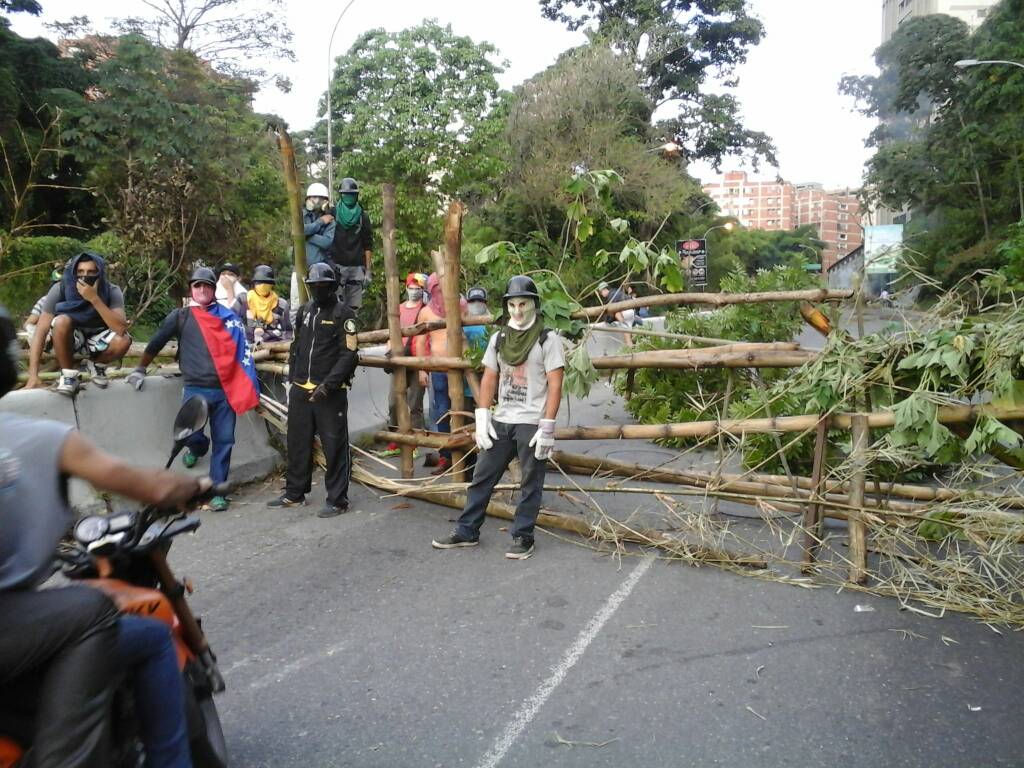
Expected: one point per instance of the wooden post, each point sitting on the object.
(724, 412)
(291, 181)
(812, 512)
(453, 316)
(855, 522)
(399, 380)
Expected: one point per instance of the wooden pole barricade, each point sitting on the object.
(453, 316)
(291, 180)
(812, 513)
(856, 528)
(399, 378)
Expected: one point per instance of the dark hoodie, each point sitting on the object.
(72, 304)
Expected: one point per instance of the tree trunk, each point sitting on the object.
(399, 381)
(291, 181)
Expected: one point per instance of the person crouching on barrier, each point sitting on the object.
(524, 364)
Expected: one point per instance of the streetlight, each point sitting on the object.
(964, 63)
(727, 227)
(330, 134)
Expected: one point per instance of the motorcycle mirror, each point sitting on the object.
(191, 418)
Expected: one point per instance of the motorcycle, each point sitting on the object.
(124, 555)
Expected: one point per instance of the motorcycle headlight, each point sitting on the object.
(91, 528)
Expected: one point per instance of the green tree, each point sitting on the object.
(186, 171)
(950, 143)
(758, 249)
(676, 47)
(415, 108)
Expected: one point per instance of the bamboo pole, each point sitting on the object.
(547, 519)
(453, 316)
(702, 340)
(732, 356)
(721, 436)
(812, 513)
(856, 528)
(399, 379)
(291, 181)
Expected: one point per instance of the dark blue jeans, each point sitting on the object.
(222, 430)
(441, 405)
(513, 440)
(145, 646)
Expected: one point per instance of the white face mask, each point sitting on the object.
(522, 313)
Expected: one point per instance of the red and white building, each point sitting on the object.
(778, 205)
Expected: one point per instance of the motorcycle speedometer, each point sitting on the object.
(91, 528)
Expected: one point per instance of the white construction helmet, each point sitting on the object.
(317, 190)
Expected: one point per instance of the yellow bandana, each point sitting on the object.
(262, 307)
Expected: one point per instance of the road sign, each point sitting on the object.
(693, 257)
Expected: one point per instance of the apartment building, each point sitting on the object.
(778, 205)
(895, 12)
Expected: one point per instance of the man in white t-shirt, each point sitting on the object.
(523, 364)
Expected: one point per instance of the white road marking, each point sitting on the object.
(522, 718)
(292, 667)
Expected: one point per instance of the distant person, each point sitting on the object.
(231, 294)
(31, 322)
(608, 296)
(321, 363)
(318, 228)
(267, 314)
(85, 315)
(352, 249)
(216, 363)
(435, 344)
(408, 314)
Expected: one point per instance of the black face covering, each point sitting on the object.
(322, 293)
(90, 279)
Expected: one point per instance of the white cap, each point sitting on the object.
(317, 190)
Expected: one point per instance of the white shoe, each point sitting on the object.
(68, 382)
(98, 372)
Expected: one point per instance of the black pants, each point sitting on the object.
(57, 651)
(329, 419)
(513, 441)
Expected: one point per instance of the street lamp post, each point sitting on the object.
(964, 63)
(330, 133)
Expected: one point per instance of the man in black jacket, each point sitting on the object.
(321, 362)
(352, 247)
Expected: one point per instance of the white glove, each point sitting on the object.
(484, 434)
(137, 378)
(543, 440)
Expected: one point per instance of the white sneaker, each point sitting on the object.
(68, 382)
(98, 372)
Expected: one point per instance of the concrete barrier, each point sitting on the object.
(136, 426)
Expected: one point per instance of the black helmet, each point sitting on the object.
(202, 275)
(321, 272)
(227, 266)
(8, 353)
(477, 293)
(263, 274)
(521, 286)
(348, 186)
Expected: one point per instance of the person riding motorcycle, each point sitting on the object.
(60, 647)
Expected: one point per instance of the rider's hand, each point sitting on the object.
(320, 393)
(484, 435)
(327, 218)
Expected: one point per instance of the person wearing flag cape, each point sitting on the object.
(217, 365)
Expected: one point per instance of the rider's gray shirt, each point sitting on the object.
(34, 511)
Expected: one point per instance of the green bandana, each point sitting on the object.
(516, 346)
(350, 214)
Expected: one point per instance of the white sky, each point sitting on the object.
(787, 88)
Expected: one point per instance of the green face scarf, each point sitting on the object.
(517, 344)
(350, 213)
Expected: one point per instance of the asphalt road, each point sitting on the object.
(350, 642)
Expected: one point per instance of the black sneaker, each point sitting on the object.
(284, 501)
(330, 510)
(521, 548)
(453, 540)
